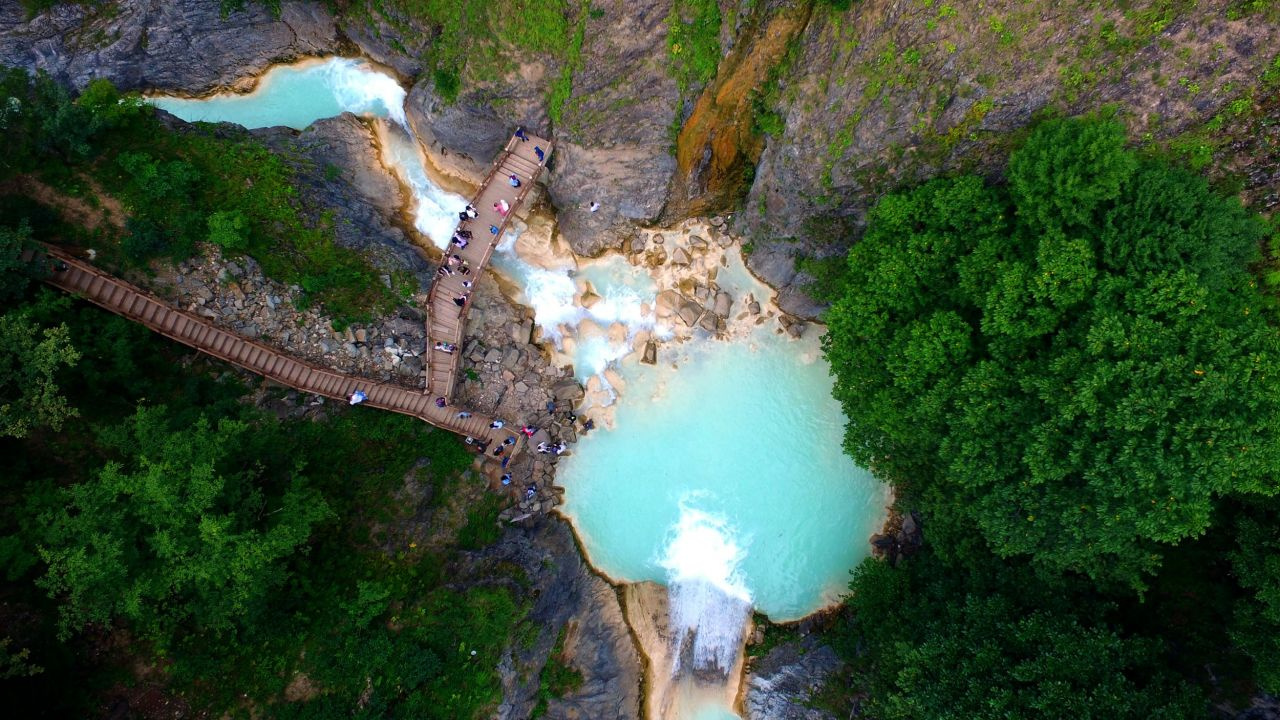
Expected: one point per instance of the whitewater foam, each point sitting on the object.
(360, 89)
(709, 599)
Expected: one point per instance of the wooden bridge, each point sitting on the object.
(445, 320)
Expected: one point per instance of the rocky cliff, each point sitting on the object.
(567, 596)
(174, 45)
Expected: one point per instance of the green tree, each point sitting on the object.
(16, 273)
(935, 643)
(227, 229)
(179, 535)
(1077, 367)
(1256, 562)
(30, 357)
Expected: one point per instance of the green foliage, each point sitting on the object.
(178, 536)
(469, 38)
(16, 274)
(931, 642)
(16, 664)
(229, 6)
(558, 678)
(30, 357)
(1077, 368)
(693, 40)
(227, 230)
(447, 84)
(838, 5)
(181, 188)
(562, 88)
(1256, 565)
(482, 529)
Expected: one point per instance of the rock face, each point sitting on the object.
(176, 45)
(569, 596)
(889, 94)
(337, 168)
(780, 684)
(613, 143)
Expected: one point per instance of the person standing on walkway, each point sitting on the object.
(520, 134)
(541, 155)
(496, 424)
(515, 181)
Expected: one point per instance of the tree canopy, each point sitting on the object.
(1075, 365)
(945, 645)
(178, 536)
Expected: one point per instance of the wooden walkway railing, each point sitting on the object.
(122, 298)
(446, 321)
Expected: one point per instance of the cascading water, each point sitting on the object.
(708, 596)
(725, 480)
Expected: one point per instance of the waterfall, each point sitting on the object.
(709, 601)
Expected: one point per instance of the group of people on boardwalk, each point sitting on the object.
(493, 207)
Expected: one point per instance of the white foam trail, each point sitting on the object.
(360, 89)
(709, 600)
(435, 210)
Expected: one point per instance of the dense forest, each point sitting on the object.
(1072, 377)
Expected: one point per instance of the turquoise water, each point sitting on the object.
(745, 434)
(297, 95)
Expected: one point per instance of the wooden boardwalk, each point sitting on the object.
(126, 300)
(445, 319)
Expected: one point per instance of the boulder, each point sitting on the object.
(724, 303)
(567, 390)
(680, 257)
(689, 313)
(650, 356)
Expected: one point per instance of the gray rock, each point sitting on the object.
(567, 594)
(182, 45)
(350, 349)
(494, 355)
(680, 257)
(689, 313)
(782, 682)
(510, 358)
(410, 366)
(568, 390)
(724, 304)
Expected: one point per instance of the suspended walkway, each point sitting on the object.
(445, 319)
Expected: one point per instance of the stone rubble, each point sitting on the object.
(237, 296)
